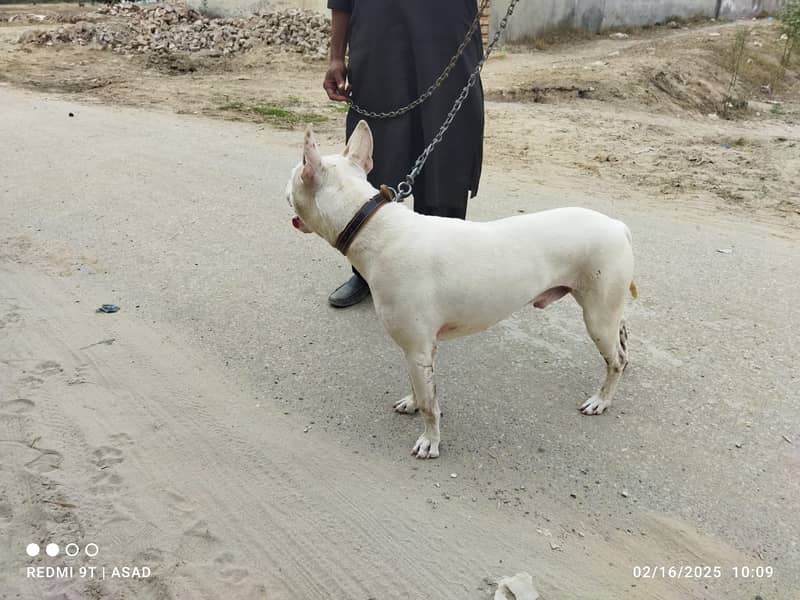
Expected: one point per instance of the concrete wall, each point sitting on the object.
(748, 8)
(533, 17)
(235, 8)
(319, 5)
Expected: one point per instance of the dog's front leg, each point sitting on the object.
(407, 405)
(420, 368)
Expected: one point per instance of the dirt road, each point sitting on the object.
(230, 432)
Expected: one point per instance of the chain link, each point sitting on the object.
(434, 86)
(405, 187)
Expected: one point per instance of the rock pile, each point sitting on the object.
(82, 34)
(177, 28)
(20, 19)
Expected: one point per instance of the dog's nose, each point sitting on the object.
(296, 222)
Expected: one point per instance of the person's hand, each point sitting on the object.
(335, 83)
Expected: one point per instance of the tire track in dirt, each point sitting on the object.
(33, 504)
(109, 474)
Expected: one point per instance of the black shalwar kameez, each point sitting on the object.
(397, 49)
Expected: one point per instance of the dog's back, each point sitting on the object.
(475, 274)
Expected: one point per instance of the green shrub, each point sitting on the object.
(790, 21)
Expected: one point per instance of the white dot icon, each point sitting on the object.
(52, 549)
(32, 549)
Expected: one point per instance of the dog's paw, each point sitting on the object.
(426, 448)
(406, 406)
(594, 406)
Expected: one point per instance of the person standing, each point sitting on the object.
(397, 49)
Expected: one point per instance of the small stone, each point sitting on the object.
(453, 475)
(624, 493)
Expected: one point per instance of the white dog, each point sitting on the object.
(434, 278)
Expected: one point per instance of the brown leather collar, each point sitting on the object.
(367, 210)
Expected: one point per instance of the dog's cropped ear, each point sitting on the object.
(359, 146)
(312, 161)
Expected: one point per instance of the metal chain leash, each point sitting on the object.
(435, 85)
(404, 188)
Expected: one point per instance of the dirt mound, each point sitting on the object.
(691, 71)
(178, 28)
(695, 94)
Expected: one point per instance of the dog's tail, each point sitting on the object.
(633, 289)
(628, 235)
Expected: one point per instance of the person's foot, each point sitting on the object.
(351, 292)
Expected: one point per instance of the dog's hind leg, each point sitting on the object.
(604, 322)
(420, 368)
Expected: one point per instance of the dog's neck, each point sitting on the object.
(343, 203)
(361, 218)
(338, 204)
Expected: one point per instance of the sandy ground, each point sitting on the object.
(230, 432)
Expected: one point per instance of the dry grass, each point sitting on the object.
(284, 114)
(760, 72)
(550, 39)
(681, 22)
